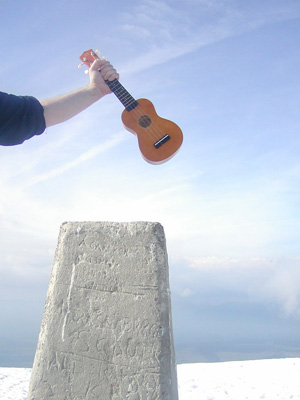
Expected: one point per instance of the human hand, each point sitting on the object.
(100, 71)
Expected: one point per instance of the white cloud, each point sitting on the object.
(258, 280)
(283, 286)
(186, 292)
(214, 263)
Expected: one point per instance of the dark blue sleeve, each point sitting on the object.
(21, 117)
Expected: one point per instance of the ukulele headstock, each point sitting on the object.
(88, 57)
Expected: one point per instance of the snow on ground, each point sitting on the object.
(14, 383)
(240, 380)
(234, 380)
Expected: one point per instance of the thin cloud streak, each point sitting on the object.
(188, 36)
(84, 157)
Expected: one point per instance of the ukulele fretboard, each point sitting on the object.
(122, 94)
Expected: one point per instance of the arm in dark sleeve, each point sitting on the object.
(21, 117)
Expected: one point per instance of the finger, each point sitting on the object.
(108, 72)
(111, 75)
(97, 64)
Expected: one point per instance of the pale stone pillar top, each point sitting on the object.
(106, 332)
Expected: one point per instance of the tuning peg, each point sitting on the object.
(98, 52)
(86, 71)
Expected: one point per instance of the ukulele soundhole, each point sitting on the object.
(144, 121)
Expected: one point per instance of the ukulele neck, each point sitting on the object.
(122, 94)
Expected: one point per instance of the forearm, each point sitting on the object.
(62, 108)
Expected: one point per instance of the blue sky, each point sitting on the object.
(227, 72)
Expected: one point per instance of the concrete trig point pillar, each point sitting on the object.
(106, 332)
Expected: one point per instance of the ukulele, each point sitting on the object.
(159, 139)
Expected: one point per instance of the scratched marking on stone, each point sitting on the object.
(68, 303)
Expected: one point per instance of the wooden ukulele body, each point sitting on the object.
(159, 139)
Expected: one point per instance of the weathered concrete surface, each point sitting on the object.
(106, 331)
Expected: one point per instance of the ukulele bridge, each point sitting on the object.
(161, 141)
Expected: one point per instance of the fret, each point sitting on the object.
(122, 94)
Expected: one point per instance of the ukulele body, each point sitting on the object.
(159, 139)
